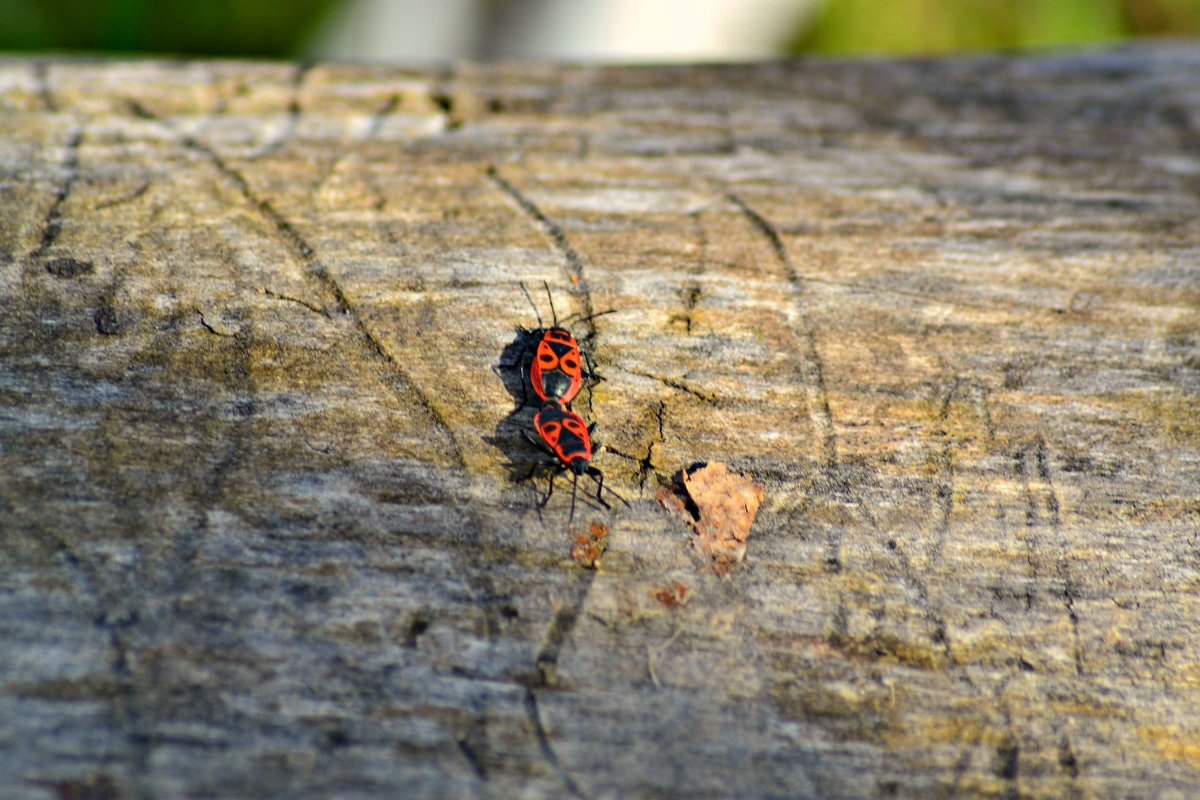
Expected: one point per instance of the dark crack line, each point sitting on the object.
(395, 376)
(1062, 566)
(112, 621)
(313, 307)
(473, 759)
(692, 292)
(573, 263)
(645, 464)
(943, 462)
(1032, 540)
(573, 267)
(1008, 765)
(204, 324)
(810, 369)
(770, 232)
(53, 222)
(944, 491)
(1007, 751)
(939, 635)
(812, 375)
(123, 199)
(1049, 503)
(671, 383)
(294, 112)
(533, 712)
(1068, 762)
(559, 633)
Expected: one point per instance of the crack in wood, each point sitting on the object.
(1062, 565)
(670, 383)
(396, 377)
(943, 462)
(1041, 497)
(473, 758)
(573, 263)
(294, 111)
(559, 632)
(938, 631)
(1008, 765)
(534, 714)
(53, 221)
(809, 368)
(313, 307)
(112, 617)
(690, 293)
(166, 559)
(205, 324)
(123, 199)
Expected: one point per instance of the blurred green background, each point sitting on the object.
(506, 28)
(190, 27)
(939, 26)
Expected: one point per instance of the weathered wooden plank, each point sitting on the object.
(262, 528)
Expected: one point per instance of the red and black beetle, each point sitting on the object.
(565, 435)
(556, 371)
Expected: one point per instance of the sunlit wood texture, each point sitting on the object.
(262, 528)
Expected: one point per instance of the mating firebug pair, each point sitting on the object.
(556, 375)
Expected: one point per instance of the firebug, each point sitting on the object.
(564, 434)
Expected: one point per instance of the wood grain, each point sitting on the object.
(265, 527)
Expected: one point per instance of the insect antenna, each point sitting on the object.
(532, 304)
(551, 299)
(572, 319)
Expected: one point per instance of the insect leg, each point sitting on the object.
(598, 476)
(574, 490)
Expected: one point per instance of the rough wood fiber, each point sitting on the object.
(261, 535)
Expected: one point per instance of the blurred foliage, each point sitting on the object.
(185, 27)
(272, 29)
(939, 26)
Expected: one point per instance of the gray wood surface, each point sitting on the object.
(263, 525)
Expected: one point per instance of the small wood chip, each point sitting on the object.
(589, 546)
(671, 596)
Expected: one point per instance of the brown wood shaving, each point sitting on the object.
(721, 510)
